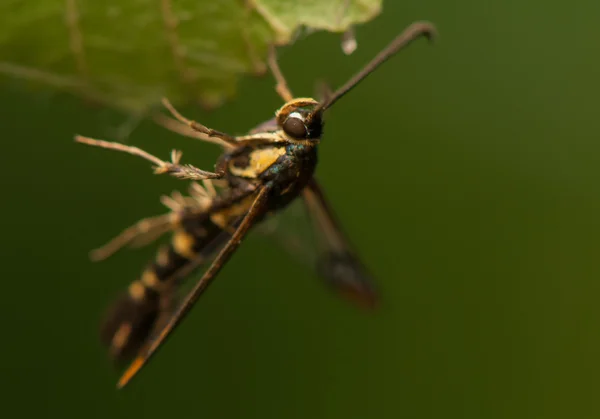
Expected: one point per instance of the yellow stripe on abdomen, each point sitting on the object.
(183, 244)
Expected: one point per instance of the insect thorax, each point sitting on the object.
(286, 167)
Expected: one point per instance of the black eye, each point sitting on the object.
(295, 128)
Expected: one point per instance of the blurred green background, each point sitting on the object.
(466, 174)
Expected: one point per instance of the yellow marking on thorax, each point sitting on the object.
(226, 216)
(183, 244)
(137, 290)
(149, 279)
(260, 160)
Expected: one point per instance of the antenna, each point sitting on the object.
(410, 34)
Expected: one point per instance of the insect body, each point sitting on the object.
(257, 176)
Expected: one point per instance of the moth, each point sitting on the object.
(256, 177)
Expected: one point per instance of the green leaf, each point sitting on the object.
(285, 17)
(130, 53)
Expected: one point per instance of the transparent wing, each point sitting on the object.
(222, 251)
(310, 232)
(140, 313)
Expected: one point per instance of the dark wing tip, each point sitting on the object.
(346, 276)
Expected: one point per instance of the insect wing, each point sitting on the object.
(128, 325)
(309, 231)
(242, 225)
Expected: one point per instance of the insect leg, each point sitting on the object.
(256, 210)
(198, 127)
(194, 129)
(281, 87)
(172, 168)
(145, 229)
(179, 127)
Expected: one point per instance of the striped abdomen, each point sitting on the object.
(152, 297)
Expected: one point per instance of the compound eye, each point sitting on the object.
(294, 127)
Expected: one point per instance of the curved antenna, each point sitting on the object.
(410, 34)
